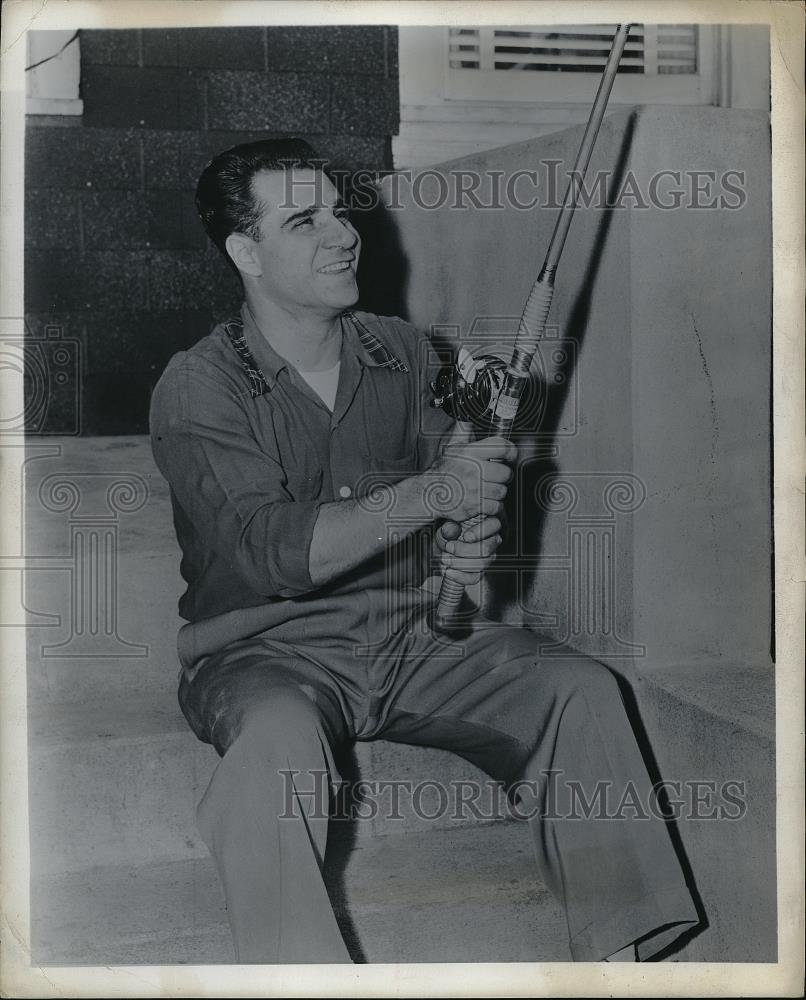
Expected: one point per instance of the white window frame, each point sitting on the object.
(52, 88)
(629, 88)
(435, 127)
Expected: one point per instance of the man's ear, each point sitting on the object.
(241, 249)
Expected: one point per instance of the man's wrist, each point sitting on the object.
(415, 500)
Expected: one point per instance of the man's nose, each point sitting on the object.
(340, 234)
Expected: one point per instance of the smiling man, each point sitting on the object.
(302, 455)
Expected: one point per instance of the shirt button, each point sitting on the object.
(345, 492)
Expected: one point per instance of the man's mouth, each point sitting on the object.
(337, 267)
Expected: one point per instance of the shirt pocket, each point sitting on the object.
(390, 470)
(304, 485)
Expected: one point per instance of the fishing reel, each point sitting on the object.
(468, 389)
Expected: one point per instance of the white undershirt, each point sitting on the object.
(325, 384)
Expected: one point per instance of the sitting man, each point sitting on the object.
(307, 625)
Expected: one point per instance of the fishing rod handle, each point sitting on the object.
(451, 591)
(531, 330)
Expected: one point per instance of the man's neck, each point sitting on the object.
(309, 341)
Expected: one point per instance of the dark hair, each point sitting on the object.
(224, 198)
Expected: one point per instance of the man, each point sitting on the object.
(294, 437)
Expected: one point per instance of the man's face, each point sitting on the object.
(307, 249)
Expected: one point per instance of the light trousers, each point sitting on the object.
(553, 730)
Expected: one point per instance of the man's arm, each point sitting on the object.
(233, 491)
(235, 495)
(473, 478)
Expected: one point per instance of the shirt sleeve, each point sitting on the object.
(433, 425)
(230, 490)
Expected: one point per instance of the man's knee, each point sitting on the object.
(274, 751)
(583, 676)
(281, 720)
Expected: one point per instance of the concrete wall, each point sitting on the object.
(115, 255)
(649, 545)
(657, 379)
(701, 377)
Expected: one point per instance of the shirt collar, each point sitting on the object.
(262, 364)
(369, 348)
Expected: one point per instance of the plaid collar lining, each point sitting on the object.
(257, 380)
(258, 384)
(374, 348)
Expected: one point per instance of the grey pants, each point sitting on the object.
(273, 709)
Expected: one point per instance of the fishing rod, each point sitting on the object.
(487, 386)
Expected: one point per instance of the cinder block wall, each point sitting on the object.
(115, 255)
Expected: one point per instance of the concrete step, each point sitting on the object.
(467, 895)
(711, 726)
(114, 783)
(109, 486)
(140, 658)
(115, 780)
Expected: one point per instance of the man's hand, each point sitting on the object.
(477, 473)
(468, 557)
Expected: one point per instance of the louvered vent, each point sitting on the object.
(653, 50)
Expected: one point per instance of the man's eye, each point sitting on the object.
(308, 221)
(342, 214)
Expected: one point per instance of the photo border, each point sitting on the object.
(784, 978)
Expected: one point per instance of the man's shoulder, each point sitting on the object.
(212, 355)
(207, 370)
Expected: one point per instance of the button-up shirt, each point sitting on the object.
(251, 453)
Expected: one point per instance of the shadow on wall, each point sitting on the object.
(383, 271)
(384, 274)
(507, 588)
